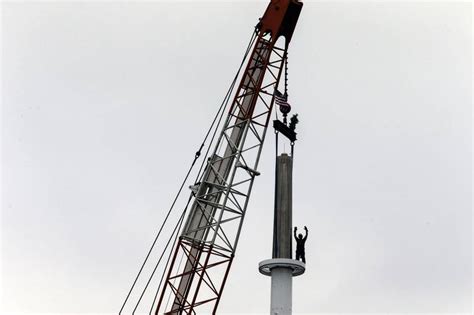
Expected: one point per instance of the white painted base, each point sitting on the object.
(281, 296)
(282, 271)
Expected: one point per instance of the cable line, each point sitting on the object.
(175, 230)
(157, 235)
(218, 116)
(169, 258)
(225, 101)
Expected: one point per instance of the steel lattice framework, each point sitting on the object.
(205, 250)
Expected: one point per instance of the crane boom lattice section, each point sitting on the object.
(210, 235)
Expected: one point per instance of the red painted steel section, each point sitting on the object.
(200, 279)
(223, 284)
(168, 276)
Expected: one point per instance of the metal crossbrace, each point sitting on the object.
(211, 233)
(201, 271)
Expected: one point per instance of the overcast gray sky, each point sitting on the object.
(105, 103)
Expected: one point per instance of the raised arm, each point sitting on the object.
(294, 233)
(306, 233)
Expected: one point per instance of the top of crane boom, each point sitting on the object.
(280, 18)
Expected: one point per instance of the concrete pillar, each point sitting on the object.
(282, 224)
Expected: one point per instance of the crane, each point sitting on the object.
(219, 198)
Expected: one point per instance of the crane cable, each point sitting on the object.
(292, 144)
(226, 99)
(175, 230)
(159, 232)
(196, 156)
(285, 60)
(169, 258)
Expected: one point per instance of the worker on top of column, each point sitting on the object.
(300, 240)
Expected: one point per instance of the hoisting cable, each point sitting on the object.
(197, 155)
(225, 101)
(174, 281)
(286, 72)
(175, 230)
(285, 60)
(159, 232)
(169, 258)
(286, 93)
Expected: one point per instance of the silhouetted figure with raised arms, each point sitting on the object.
(300, 240)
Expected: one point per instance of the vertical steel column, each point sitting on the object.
(282, 224)
(281, 290)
